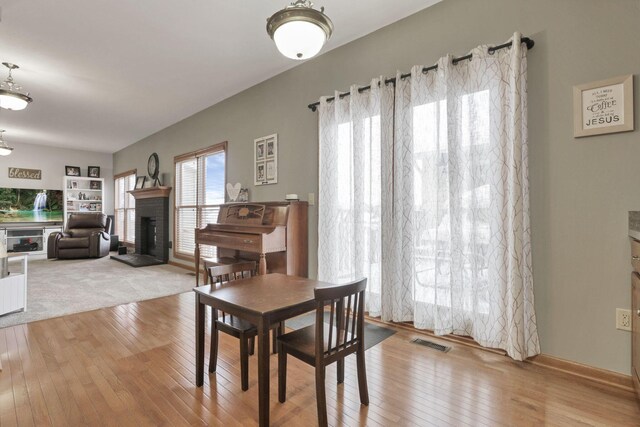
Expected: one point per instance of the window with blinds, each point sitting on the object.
(125, 207)
(200, 183)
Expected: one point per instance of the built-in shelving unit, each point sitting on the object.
(82, 195)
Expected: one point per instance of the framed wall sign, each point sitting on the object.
(605, 106)
(265, 154)
(22, 173)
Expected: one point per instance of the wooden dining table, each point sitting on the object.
(263, 300)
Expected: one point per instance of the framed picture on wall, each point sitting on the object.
(266, 160)
(93, 171)
(72, 170)
(605, 106)
(260, 150)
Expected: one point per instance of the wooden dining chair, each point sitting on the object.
(222, 275)
(341, 336)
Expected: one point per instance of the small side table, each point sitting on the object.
(13, 288)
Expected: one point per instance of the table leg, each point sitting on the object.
(262, 265)
(200, 310)
(263, 372)
(196, 254)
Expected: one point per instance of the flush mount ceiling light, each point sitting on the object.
(11, 97)
(299, 31)
(5, 150)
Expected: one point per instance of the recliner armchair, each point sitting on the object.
(86, 236)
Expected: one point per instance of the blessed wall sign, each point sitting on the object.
(21, 173)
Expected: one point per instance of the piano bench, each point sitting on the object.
(212, 262)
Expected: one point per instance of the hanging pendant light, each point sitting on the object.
(11, 97)
(5, 150)
(299, 31)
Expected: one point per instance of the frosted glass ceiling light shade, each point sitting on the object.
(299, 31)
(11, 97)
(5, 150)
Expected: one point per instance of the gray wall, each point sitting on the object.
(52, 160)
(581, 189)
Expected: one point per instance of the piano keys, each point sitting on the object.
(272, 233)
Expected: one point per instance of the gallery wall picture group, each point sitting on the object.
(605, 106)
(265, 154)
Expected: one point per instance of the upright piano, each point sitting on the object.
(272, 233)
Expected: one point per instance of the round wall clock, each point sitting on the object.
(153, 165)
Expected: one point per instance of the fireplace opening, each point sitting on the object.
(148, 243)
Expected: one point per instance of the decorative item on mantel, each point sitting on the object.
(153, 167)
(140, 180)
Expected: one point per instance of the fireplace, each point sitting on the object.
(152, 228)
(152, 222)
(148, 236)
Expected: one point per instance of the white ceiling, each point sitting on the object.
(106, 73)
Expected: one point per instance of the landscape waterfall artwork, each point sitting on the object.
(28, 205)
(40, 202)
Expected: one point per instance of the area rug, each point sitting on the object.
(373, 334)
(59, 287)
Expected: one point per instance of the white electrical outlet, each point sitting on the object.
(623, 319)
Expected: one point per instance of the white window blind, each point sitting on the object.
(200, 181)
(125, 204)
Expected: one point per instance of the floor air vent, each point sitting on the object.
(191, 274)
(442, 348)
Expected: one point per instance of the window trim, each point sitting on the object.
(125, 173)
(115, 208)
(216, 148)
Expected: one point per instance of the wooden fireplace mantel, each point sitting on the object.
(150, 193)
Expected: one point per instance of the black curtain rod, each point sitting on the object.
(529, 42)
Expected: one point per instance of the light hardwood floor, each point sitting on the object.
(134, 365)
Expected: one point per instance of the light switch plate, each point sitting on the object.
(311, 199)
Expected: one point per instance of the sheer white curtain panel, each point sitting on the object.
(425, 191)
(353, 132)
